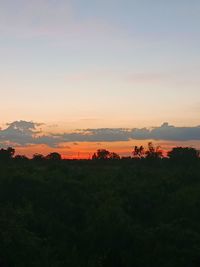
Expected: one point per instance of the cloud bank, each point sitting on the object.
(26, 133)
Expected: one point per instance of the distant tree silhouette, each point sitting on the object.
(7, 154)
(114, 155)
(126, 158)
(104, 154)
(101, 154)
(183, 154)
(138, 152)
(94, 156)
(53, 156)
(11, 151)
(20, 157)
(38, 157)
(153, 152)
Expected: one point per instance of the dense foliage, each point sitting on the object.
(110, 213)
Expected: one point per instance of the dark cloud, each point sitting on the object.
(19, 132)
(24, 133)
(97, 135)
(168, 132)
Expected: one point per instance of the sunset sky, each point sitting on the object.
(93, 64)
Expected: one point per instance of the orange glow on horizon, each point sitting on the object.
(85, 150)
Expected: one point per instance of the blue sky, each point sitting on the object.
(99, 63)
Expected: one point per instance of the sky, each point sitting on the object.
(93, 64)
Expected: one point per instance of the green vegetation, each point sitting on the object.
(100, 213)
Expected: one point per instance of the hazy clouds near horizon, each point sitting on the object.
(26, 133)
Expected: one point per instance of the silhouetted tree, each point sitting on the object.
(38, 157)
(101, 154)
(183, 154)
(105, 154)
(153, 152)
(114, 155)
(94, 156)
(20, 157)
(7, 154)
(126, 158)
(53, 156)
(138, 152)
(11, 151)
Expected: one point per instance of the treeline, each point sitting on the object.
(139, 152)
(134, 212)
(9, 153)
